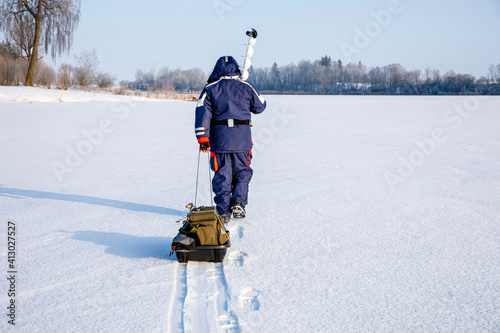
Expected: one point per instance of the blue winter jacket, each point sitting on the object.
(227, 97)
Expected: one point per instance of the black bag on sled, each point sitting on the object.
(202, 237)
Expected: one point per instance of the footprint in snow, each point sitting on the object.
(249, 299)
(237, 231)
(237, 257)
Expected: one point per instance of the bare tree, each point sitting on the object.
(64, 76)
(39, 23)
(8, 66)
(427, 75)
(104, 80)
(85, 72)
(491, 73)
(413, 77)
(179, 80)
(305, 75)
(395, 75)
(44, 75)
(436, 76)
(497, 73)
(163, 78)
(196, 79)
(22, 34)
(376, 77)
(275, 77)
(465, 83)
(11, 65)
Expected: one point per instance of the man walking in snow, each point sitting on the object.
(222, 125)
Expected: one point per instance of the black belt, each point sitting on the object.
(230, 122)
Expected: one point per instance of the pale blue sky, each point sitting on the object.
(151, 34)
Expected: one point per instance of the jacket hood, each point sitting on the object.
(225, 66)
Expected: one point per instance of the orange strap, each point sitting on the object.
(216, 165)
(203, 139)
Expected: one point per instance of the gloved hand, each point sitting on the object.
(204, 144)
(204, 147)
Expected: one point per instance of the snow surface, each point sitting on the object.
(366, 214)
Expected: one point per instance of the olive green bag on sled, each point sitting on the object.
(203, 237)
(204, 225)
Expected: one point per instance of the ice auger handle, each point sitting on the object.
(252, 33)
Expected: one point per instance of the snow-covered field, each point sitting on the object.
(366, 214)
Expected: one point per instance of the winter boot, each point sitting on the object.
(238, 210)
(225, 218)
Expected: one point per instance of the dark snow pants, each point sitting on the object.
(231, 179)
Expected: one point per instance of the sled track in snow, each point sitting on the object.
(175, 313)
(200, 302)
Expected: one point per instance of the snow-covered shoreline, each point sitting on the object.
(9, 94)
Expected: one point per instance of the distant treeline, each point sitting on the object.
(322, 76)
(325, 76)
(167, 80)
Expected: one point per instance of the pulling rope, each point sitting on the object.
(209, 180)
(197, 176)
